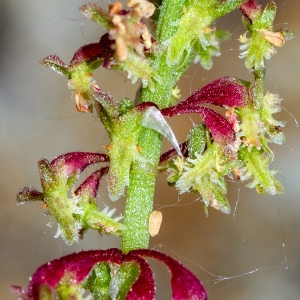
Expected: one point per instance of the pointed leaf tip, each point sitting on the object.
(87, 53)
(72, 162)
(55, 63)
(91, 184)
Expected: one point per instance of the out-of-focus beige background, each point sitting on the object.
(252, 253)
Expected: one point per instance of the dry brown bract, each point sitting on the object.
(145, 8)
(275, 38)
(129, 31)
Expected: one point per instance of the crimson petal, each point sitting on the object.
(251, 9)
(226, 91)
(91, 184)
(144, 287)
(185, 285)
(79, 264)
(73, 162)
(219, 127)
(86, 53)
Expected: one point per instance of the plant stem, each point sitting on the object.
(140, 193)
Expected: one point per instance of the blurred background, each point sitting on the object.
(252, 253)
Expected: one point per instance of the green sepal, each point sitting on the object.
(127, 274)
(213, 194)
(106, 109)
(61, 209)
(138, 67)
(270, 106)
(95, 13)
(81, 82)
(204, 55)
(123, 151)
(250, 126)
(45, 292)
(45, 171)
(55, 63)
(102, 221)
(172, 171)
(256, 50)
(112, 281)
(190, 28)
(69, 289)
(268, 15)
(257, 168)
(125, 105)
(98, 282)
(196, 140)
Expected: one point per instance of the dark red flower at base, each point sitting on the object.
(60, 274)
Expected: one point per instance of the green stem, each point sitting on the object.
(140, 193)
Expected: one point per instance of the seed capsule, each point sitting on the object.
(155, 220)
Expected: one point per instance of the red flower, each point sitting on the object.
(225, 92)
(77, 266)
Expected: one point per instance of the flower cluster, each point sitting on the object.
(125, 47)
(234, 143)
(260, 45)
(66, 274)
(79, 212)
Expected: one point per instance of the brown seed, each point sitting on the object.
(275, 38)
(155, 220)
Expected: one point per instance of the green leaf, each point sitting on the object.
(55, 63)
(123, 151)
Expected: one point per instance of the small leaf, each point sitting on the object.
(95, 13)
(55, 63)
(28, 194)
